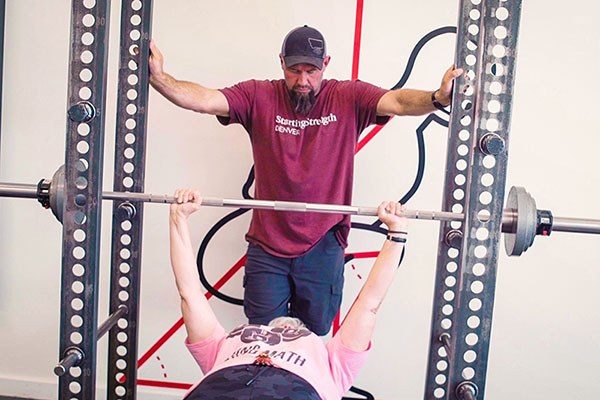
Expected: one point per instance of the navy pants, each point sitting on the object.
(308, 287)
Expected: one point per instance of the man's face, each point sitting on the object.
(304, 82)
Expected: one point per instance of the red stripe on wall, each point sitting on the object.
(170, 385)
(357, 37)
(179, 323)
(368, 138)
(366, 254)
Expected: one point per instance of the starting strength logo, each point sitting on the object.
(296, 126)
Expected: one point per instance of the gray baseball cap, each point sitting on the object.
(304, 45)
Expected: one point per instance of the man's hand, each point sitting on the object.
(188, 95)
(391, 214)
(444, 93)
(187, 202)
(156, 61)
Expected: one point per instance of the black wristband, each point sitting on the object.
(406, 233)
(436, 103)
(396, 239)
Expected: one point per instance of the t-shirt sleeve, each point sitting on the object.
(205, 351)
(367, 96)
(240, 98)
(345, 364)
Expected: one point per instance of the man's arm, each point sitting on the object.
(417, 102)
(188, 95)
(199, 319)
(357, 329)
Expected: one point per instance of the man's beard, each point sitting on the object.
(303, 102)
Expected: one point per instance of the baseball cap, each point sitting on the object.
(304, 45)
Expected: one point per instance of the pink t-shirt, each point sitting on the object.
(302, 158)
(330, 368)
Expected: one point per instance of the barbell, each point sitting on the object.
(521, 220)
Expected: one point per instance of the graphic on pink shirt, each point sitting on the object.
(272, 337)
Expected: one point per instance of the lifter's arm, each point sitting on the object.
(199, 319)
(357, 329)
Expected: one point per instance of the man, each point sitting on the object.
(283, 360)
(303, 131)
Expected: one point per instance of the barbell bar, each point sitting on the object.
(22, 190)
(521, 220)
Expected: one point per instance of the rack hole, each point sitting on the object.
(482, 234)
(475, 304)
(469, 356)
(83, 147)
(88, 20)
(468, 373)
(478, 269)
(451, 267)
(477, 287)
(502, 13)
(85, 93)
(471, 339)
(87, 57)
(76, 321)
(480, 251)
(500, 32)
(87, 38)
(473, 321)
(124, 268)
(494, 106)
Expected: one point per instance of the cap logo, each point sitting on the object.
(316, 45)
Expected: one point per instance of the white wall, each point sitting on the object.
(546, 323)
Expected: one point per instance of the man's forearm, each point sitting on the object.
(188, 95)
(418, 102)
(414, 102)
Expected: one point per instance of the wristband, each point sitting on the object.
(395, 239)
(405, 233)
(436, 103)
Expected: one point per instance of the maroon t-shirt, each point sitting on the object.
(308, 159)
